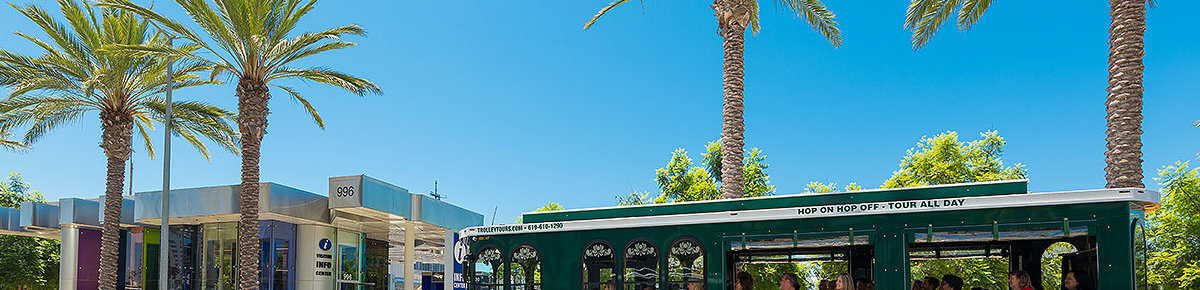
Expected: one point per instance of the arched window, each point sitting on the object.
(526, 269)
(599, 267)
(641, 266)
(1140, 269)
(1052, 264)
(486, 271)
(685, 264)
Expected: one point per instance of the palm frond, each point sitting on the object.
(10, 144)
(197, 121)
(932, 20)
(356, 85)
(304, 102)
(819, 17)
(143, 127)
(971, 11)
(603, 11)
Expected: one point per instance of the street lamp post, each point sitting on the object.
(164, 232)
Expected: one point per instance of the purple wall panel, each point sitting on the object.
(89, 259)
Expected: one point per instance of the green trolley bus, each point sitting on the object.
(877, 235)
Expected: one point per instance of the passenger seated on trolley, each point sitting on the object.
(951, 282)
(826, 285)
(1019, 280)
(1076, 280)
(743, 281)
(932, 283)
(864, 284)
(789, 281)
(918, 285)
(844, 282)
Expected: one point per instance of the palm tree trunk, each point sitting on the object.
(252, 123)
(117, 138)
(733, 16)
(1123, 156)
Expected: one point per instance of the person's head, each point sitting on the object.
(844, 282)
(1018, 280)
(951, 282)
(918, 285)
(744, 281)
(694, 286)
(1076, 280)
(789, 281)
(932, 283)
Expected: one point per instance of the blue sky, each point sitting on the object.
(511, 105)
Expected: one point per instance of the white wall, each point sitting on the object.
(309, 254)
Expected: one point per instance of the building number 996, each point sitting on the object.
(345, 191)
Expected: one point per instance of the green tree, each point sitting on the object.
(680, 181)
(989, 273)
(943, 159)
(29, 262)
(73, 77)
(1173, 229)
(733, 18)
(552, 206)
(820, 187)
(253, 41)
(767, 275)
(1126, 47)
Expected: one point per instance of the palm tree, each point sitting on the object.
(72, 77)
(733, 18)
(249, 40)
(1123, 157)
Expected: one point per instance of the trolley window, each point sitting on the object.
(526, 268)
(599, 267)
(641, 266)
(1140, 270)
(486, 270)
(685, 264)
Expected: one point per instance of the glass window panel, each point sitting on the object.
(486, 270)
(525, 268)
(1004, 235)
(803, 242)
(685, 265)
(228, 255)
(349, 256)
(641, 266)
(599, 267)
(1140, 270)
(219, 250)
(281, 264)
(209, 268)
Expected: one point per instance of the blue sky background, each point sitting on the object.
(513, 105)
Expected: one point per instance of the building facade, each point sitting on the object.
(366, 234)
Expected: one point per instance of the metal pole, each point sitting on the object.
(164, 233)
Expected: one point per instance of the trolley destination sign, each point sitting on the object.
(832, 210)
(881, 207)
